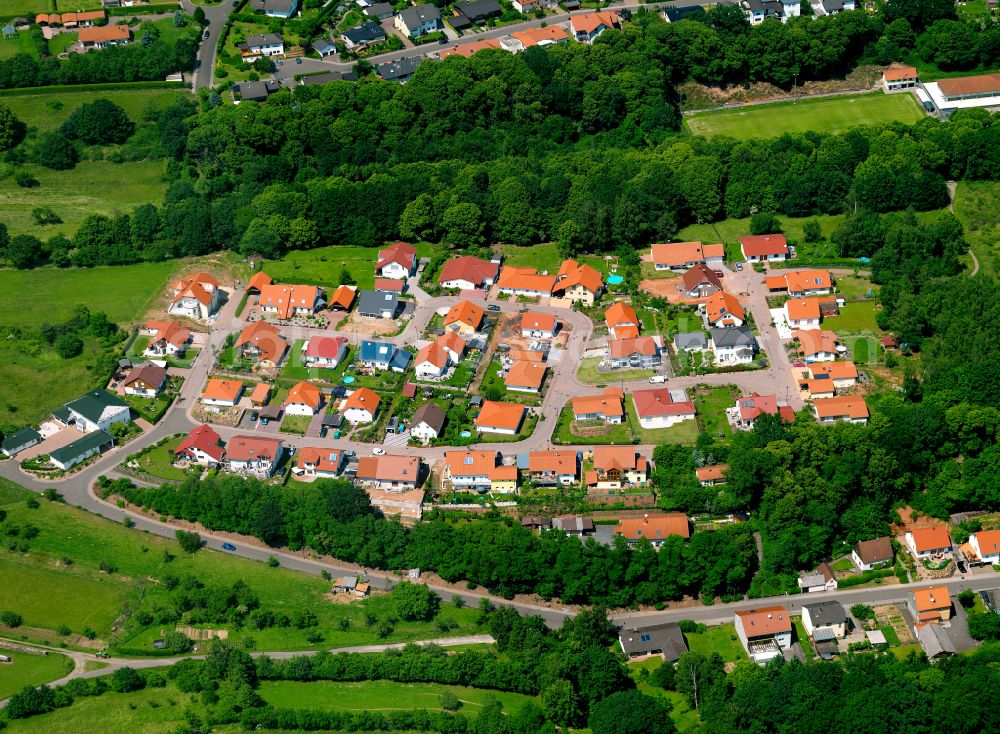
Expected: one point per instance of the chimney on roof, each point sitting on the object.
(770, 616)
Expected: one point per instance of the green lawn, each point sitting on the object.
(58, 44)
(46, 111)
(825, 115)
(711, 404)
(721, 639)
(684, 432)
(587, 372)
(854, 287)
(158, 462)
(20, 45)
(854, 318)
(296, 424)
(13, 8)
(803, 638)
(381, 695)
(976, 206)
(891, 637)
(684, 717)
(30, 670)
(618, 434)
(325, 266)
(93, 187)
(541, 257)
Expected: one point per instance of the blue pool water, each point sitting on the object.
(465, 434)
(615, 279)
(348, 380)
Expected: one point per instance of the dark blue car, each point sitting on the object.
(228, 547)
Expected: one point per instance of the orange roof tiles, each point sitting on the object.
(259, 280)
(765, 621)
(621, 314)
(494, 414)
(654, 527)
(657, 402)
(451, 341)
(979, 84)
(434, 354)
(590, 22)
(170, 332)
(621, 348)
(931, 599)
(617, 457)
(467, 313)
(532, 321)
(103, 34)
(287, 298)
(799, 309)
(322, 459)
(470, 463)
(609, 406)
(989, 542)
(679, 254)
(800, 281)
(343, 297)
(899, 73)
(932, 538)
(761, 245)
(467, 49)
(363, 399)
(841, 406)
(304, 393)
(722, 308)
(261, 392)
(525, 279)
(526, 355)
(389, 468)
(711, 473)
(816, 341)
(248, 448)
(559, 462)
(572, 274)
(225, 390)
(265, 337)
(775, 282)
(834, 370)
(526, 374)
(541, 36)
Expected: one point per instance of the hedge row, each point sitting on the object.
(106, 87)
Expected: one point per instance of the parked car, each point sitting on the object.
(378, 452)
(493, 307)
(228, 547)
(298, 60)
(657, 379)
(254, 416)
(739, 266)
(205, 35)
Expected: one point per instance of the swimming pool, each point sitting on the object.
(615, 280)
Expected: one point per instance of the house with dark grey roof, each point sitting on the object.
(688, 12)
(378, 304)
(573, 525)
(733, 345)
(356, 39)
(80, 450)
(328, 76)
(479, 10)
(428, 422)
(96, 411)
(665, 639)
(256, 91)
(378, 10)
(265, 44)
(398, 71)
(690, 341)
(935, 640)
(383, 356)
(825, 615)
(19, 441)
(324, 48)
(418, 21)
(276, 8)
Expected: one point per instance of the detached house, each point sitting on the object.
(361, 406)
(733, 346)
(276, 8)
(324, 351)
(826, 615)
(606, 407)
(931, 605)
(986, 545)
(680, 256)
(287, 301)
(383, 356)
(578, 283)
(103, 36)
(701, 282)
(502, 418)
(869, 554)
(262, 343)
(822, 579)
(723, 310)
(525, 376)
(588, 26)
(764, 632)
(146, 380)
(432, 362)
(303, 398)
(801, 283)
(391, 473)
(202, 445)
(465, 317)
(665, 640)
(662, 408)
(254, 455)
(479, 471)
(709, 476)
(97, 410)
(168, 338)
(259, 46)
(357, 39)
(468, 273)
(818, 345)
(399, 260)
(418, 21)
(841, 408)
(538, 325)
(802, 313)
(321, 463)
(551, 468)
(427, 422)
(655, 528)
(903, 77)
(749, 408)
(526, 282)
(757, 11)
(622, 321)
(641, 352)
(91, 444)
(197, 296)
(530, 37)
(616, 467)
(222, 393)
(929, 542)
(764, 248)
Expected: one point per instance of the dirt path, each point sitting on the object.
(952, 190)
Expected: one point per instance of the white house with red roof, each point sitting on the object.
(253, 455)
(201, 446)
(535, 325)
(324, 351)
(432, 362)
(197, 296)
(168, 338)
(468, 273)
(764, 248)
(320, 463)
(398, 261)
(662, 407)
(750, 407)
(588, 26)
(986, 544)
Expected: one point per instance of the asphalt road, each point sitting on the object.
(216, 16)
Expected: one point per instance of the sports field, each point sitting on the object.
(828, 115)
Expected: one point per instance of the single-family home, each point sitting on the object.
(817, 345)
(432, 362)
(262, 343)
(304, 398)
(662, 407)
(930, 605)
(418, 21)
(709, 476)
(358, 39)
(929, 542)
(203, 445)
(825, 615)
(536, 325)
(842, 374)
(343, 298)
(832, 7)
(382, 11)
(822, 579)
(622, 321)
(900, 77)
(588, 26)
(935, 640)
(255, 91)
(222, 393)
(525, 376)
(551, 468)
(723, 310)
(197, 296)
(764, 632)
(690, 341)
(259, 46)
(287, 301)
(527, 282)
(455, 345)
(750, 407)
(801, 283)
(530, 6)
(399, 260)
(468, 273)
(321, 463)
(986, 545)
(616, 467)
(700, 281)
(325, 352)
(18, 441)
(96, 37)
(465, 317)
(802, 313)
(680, 256)
(757, 11)
(168, 338)
(401, 70)
(361, 406)
(257, 281)
(733, 346)
(576, 527)
(606, 407)
(665, 640)
(578, 283)
(427, 422)
(383, 356)
(393, 473)
(642, 352)
(478, 11)
(479, 471)
(276, 8)
(255, 455)
(97, 410)
(869, 554)
(764, 248)
(146, 380)
(655, 528)
(502, 418)
(90, 444)
(530, 37)
(841, 408)
(378, 304)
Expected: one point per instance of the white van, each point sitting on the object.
(657, 379)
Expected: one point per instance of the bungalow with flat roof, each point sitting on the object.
(764, 632)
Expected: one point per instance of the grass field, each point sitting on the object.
(31, 8)
(855, 318)
(721, 639)
(684, 717)
(825, 115)
(380, 695)
(30, 670)
(711, 404)
(20, 45)
(87, 596)
(93, 187)
(588, 373)
(683, 432)
(324, 266)
(48, 111)
(541, 257)
(158, 461)
(976, 206)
